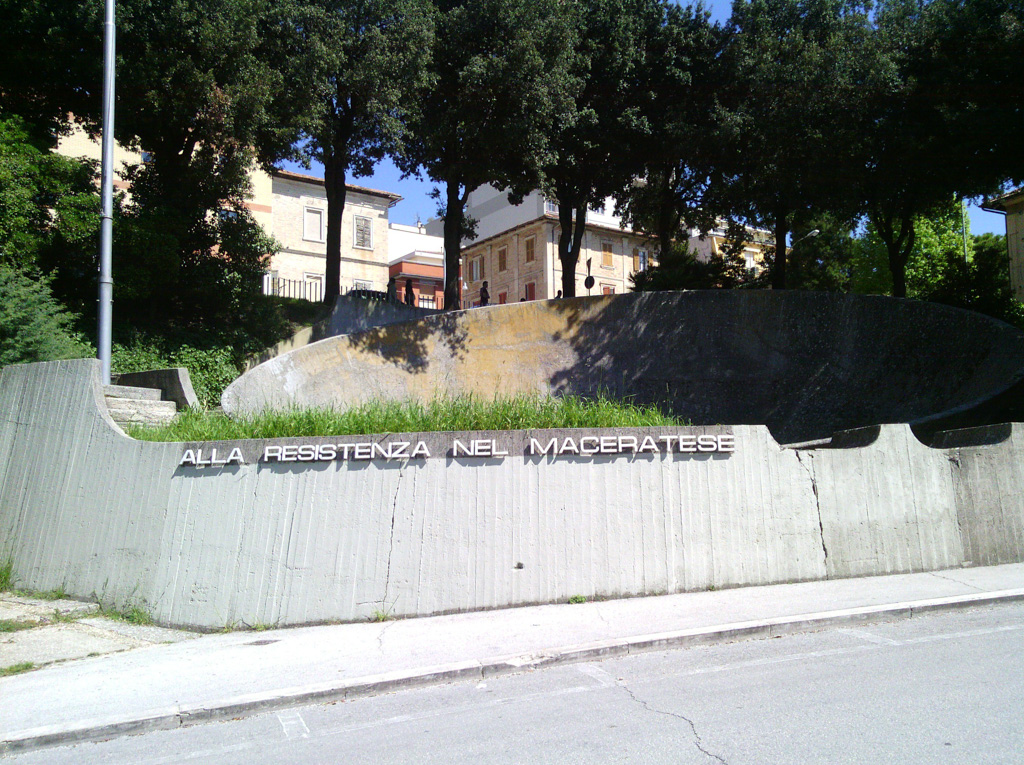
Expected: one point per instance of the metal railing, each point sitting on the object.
(299, 289)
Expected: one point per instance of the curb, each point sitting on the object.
(371, 685)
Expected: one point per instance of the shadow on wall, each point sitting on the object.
(804, 364)
(409, 346)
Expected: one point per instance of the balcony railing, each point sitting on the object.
(299, 289)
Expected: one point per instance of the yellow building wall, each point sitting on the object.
(545, 271)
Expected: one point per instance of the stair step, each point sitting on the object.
(131, 392)
(127, 411)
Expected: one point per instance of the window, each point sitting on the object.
(502, 298)
(502, 258)
(359, 284)
(226, 215)
(551, 206)
(146, 157)
(314, 287)
(476, 270)
(531, 291)
(531, 248)
(607, 289)
(428, 302)
(313, 224)
(598, 208)
(607, 250)
(362, 232)
(641, 260)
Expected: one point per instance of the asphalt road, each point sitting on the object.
(946, 688)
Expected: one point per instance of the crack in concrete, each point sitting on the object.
(380, 636)
(817, 503)
(391, 543)
(693, 728)
(957, 581)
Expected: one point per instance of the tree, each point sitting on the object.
(941, 114)
(33, 325)
(48, 204)
(821, 261)
(53, 58)
(596, 152)
(500, 83)
(796, 69)
(677, 135)
(356, 69)
(947, 265)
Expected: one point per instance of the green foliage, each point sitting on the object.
(7, 625)
(6, 575)
(937, 269)
(132, 614)
(499, 84)
(440, 414)
(575, 599)
(48, 205)
(34, 326)
(16, 669)
(823, 262)
(211, 369)
(683, 270)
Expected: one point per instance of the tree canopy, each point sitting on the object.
(500, 83)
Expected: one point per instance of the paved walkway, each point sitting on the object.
(226, 675)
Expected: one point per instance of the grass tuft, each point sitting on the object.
(8, 625)
(130, 614)
(467, 412)
(7, 575)
(16, 669)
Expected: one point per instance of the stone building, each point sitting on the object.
(416, 259)
(292, 207)
(516, 250)
(1012, 205)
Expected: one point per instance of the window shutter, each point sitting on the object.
(636, 259)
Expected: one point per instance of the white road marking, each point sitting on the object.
(596, 672)
(870, 637)
(293, 724)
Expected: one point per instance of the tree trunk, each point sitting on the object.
(898, 245)
(668, 218)
(569, 240)
(453, 216)
(334, 185)
(778, 275)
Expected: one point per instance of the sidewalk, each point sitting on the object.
(227, 675)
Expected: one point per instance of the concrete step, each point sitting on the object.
(127, 411)
(129, 391)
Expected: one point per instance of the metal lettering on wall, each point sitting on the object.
(562, 446)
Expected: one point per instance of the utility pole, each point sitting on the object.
(107, 196)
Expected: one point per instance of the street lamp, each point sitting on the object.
(808, 235)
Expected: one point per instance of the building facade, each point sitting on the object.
(1012, 205)
(292, 208)
(516, 250)
(416, 263)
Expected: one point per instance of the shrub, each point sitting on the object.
(211, 369)
(33, 325)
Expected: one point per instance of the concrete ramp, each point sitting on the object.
(804, 364)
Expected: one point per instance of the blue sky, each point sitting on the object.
(417, 204)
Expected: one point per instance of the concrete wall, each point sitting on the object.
(805, 364)
(85, 508)
(350, 314)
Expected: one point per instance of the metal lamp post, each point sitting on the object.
(107, 196)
